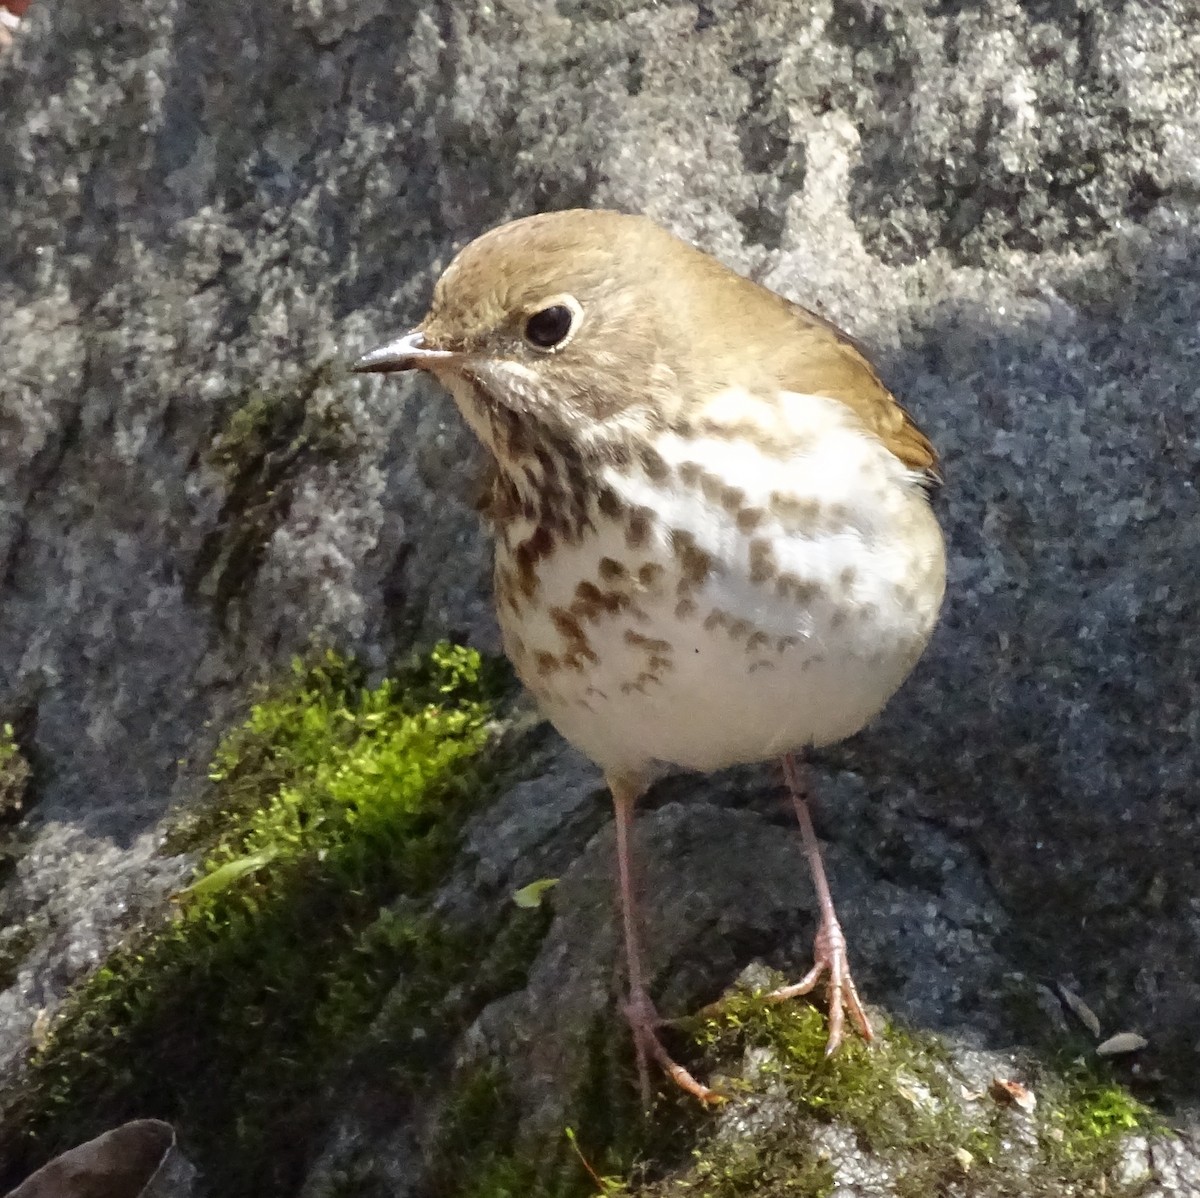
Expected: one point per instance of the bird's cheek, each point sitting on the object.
(470, 400)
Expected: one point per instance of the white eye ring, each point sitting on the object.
(553, 324)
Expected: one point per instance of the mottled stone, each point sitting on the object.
(1000, 198)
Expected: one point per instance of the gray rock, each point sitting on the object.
(136, 1160)
(202, 204)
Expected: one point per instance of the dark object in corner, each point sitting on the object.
(136, 1160)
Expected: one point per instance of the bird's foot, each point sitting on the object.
(644, 1022)
(829, 957)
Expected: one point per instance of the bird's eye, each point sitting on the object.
(551, 327)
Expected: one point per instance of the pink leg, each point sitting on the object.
(830, 946)
(639, 1009)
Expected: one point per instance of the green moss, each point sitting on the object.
(901, 1103)
(766, 1165)
(266, 442)
(336, 810)
(16, 782)
(1089, 1113)
(14, 776)
(907, 1109)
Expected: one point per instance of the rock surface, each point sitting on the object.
(204, 207)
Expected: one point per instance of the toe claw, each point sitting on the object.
(830, 959)
(643, 1020)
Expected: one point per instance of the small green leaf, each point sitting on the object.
(531, 896)
(225, 875)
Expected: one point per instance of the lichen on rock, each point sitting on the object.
(336, 808)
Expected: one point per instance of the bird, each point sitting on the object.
(714, 541)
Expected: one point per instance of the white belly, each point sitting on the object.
(703, 650)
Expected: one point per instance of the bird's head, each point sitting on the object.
(586, 326)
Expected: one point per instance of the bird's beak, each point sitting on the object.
(405, 353)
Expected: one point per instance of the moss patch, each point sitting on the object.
(336, 809)
(903, 1105)
(14, 777)
(16, 780)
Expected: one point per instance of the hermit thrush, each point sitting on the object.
(713, 536)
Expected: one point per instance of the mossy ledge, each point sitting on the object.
(335, 812)
(14, 776)
(901, 1117)
(16, 780)
(904, 1118)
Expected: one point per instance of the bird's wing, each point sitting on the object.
(823, 360)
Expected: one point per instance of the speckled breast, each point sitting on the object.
(716, 604)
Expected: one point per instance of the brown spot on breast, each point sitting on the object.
(567, 625)
(848, 577)
(794, 587)
(497, 500)
(685, 609)
(690, 473)
(637, 527)
(619, 454)
(578, 659)
(649, 574)
(764, 439)
(694, 562)
(732, 499)
(656, 468)
(658, 663)
(794, 513)
(609, 504)
(528, 553)
(762, 560)
(546, 663)
(649, 643)
(589, 592)
(757, 640)
(590, 601)
(639, 684)
(578, 648)
(551, 465)
(525, 571)
(512, 432)
(611, 569)
(749, 518)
